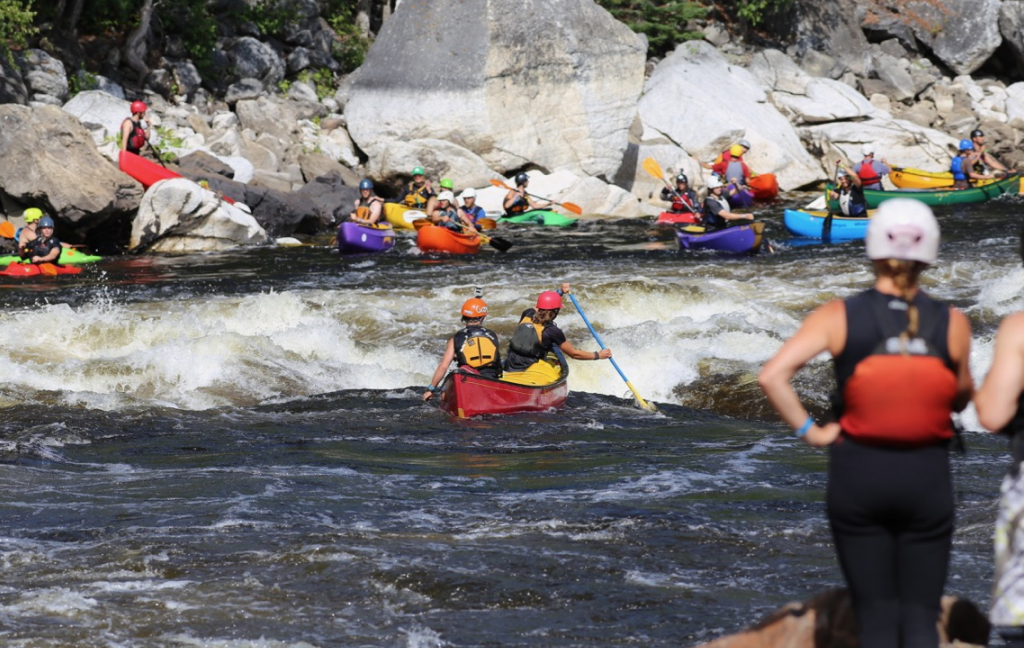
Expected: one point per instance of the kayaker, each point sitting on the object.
(418, 193)
(849, 193)
(963, 166)
(136, 130)
(447, 214)
(474, 348)
(716, 207)
(537, 335)
(517, 201)
(984, 162)
(472, 211)
(369, 206)
(734, 171)
(27, 234)
(683, 199)
(46, 247)
(901, 365)
(871, 170)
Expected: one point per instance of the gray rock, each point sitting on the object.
(44, 75)
(253, 59)
(243, 90)
(275, 180)
(894, 48)
(332, 199)
(881, 26)
(922, 113)
(776, 71)
(439, 158)
(894, 73)
(12, 85)
(1015, 105)
(187, 78)
(896, 140)
(300, 91)
(831, 27)
(1011, 27)
(160, 81)
(819, 64)
(100, 112)
(88, 81)
(314, 165)
(203, 164)
(268, 115)
(961, 33)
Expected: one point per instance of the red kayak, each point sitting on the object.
(434, 238)
(765, 186)
(34, 270)
(465, 393)
(674, 218)
(148, 173)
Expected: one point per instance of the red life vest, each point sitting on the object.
(902, 394)
(867, 173)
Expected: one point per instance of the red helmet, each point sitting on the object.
(549, 300)
(474, 308)
(138, 107)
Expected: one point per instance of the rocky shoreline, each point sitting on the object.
(480, 95)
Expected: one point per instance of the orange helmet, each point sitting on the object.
(474, 308)
(549, 300)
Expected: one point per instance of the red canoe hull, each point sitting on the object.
(765, 186)
(673, 218)
(433, 238)
(33, 270)
(465, 394)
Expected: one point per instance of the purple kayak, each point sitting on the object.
(741, 199)
(741, 238)
(354, 238)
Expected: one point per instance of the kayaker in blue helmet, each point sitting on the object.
(472, 211)
(962, 166)
(474, 348)
(46, 247)
(517, 201)
(716, 207)
(369, 206)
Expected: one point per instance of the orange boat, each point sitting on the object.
(765, 186)
(434, 238)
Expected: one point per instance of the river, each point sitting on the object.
(230, 449)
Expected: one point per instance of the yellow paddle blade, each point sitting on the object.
(7, 229)
(652, 167)
(693, 229)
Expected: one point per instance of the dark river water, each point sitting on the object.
(230, 450)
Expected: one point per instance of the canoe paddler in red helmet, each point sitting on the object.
(474, 348)
(135, 130)
(537, 335)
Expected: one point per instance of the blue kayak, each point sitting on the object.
(810, 224)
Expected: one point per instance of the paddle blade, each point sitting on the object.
(499, 183)
(500, 244)
(48, 269)
(652, 167)
(573, 207)
(7, 229)
(487, 223)
(420, 223)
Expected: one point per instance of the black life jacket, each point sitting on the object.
(417, 196)
(136, 137)
(477, 347)
(41, 247)
(527, 340)
(519, 206)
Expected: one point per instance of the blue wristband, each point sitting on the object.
(804, 428)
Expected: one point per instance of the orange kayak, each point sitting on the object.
(765, 186)
(433, 238)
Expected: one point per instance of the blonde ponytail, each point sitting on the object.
(904, 274)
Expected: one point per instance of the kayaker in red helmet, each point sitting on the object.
(135, 130)
(537, 335)
(474, 348)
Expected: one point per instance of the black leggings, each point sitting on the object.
(891, 512)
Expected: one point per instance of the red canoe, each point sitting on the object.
(765, 186)
(148, 173)
(465, 394)
(434, 238)
(33, 270)
(674, 218)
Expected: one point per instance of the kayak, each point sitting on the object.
(918, 179)
(402, 216)
(810, 224)
(354, 238)
(673, 218)
(465, 393)
(739, 238)
(936, 197)
(540, 217)
(67, 255)
(434, 238)
(765, 186)
(34, 270)
(149, 173)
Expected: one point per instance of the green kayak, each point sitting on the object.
(540, 217)
(935, 197)
(67, 256)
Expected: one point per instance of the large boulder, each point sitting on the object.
(102, 113)
(700, 101)
(180, 216)
(596, 198)
(1011, 26)
(440, 159)
(48, 159)
(963, 34)
(253, 59)
(831, 27)
(12, 85)
(516, 82)
(45, 77)
(804, 98)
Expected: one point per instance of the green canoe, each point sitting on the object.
(540, 217)
(67, 256)
(934, 197)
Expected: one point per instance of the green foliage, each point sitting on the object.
(272, 16)
(197, 28)
(322, 80)
(100, 16)
(756, 11)
(15, 25)
(82, 81)
(663, 22)
(351, 47)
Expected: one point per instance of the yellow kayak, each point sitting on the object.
(402, 216)
(919, 179)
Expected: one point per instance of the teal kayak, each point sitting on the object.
(67, 256)
(540, 217)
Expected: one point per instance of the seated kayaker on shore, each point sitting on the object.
(683, 199)
(871, 170)
(136, 130)
(44, 248)
(369, 206)
(849, 192)
(984, 162)
(537, 335)
(716, 207)
(517, 201)
(472, 211)
(474, 347)
(417, 193)
(447, 214)
(963, 166)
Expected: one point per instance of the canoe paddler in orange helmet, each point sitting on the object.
(474, 348)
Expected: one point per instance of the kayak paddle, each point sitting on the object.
(644, 404)
(7, 229)
(487, 223)
(826, 227)
(572, 207)
(652, 167)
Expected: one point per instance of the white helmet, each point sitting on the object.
(714, 182)
(470, 192)
(446, 195)
(868, 149)
(904, 229)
